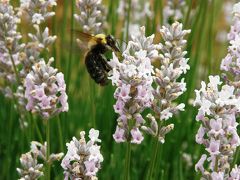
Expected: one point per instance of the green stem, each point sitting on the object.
(188, 13)
(127, 161)
(211, 38)
(235, 157)
(14, 67)
(161, 12)
(54, 30)
(48, 150)
(153, 159)
(216, 164)
(36, 127)
(92, 99)
(60, 133)
(71, 46)
(9, 136)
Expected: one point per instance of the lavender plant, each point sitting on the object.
(218, 131)
(91, 15)
(31, 169)
(83, 159)
(133, 78)
(17, 59)
(11, 58)
(168, 88)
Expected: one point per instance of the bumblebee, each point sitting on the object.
(95, 60)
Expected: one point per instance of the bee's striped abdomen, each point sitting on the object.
(97, 67)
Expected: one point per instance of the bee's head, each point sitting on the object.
(111, 43)
(108, 41)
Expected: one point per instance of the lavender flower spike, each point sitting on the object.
(91, 16)
(45, 90)
(83, 159)
(10, 47)
(30, 167)
(231, 63)
(133, 78)
(218, 131)
(168, 88)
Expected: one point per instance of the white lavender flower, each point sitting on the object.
(173, 11)
(83, 159)
(133, 78)
(218, 130)
(168, 88)
(45, 90)
(231, 63)
(37, 10)
(43, 40)
(91, 16)
(31, 169)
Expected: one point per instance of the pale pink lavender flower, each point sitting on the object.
(133, 79)
(83, 159)
(166, 78)
(91, 15)
(200, 164)
(235, 173)
(217, 176)
(218, 131)
(45, 90)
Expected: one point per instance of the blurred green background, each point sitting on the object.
(92, 106)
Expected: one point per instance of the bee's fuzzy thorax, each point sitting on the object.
(101, 39)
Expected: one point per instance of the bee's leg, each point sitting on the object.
(105, 64)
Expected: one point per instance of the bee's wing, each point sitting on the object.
(83, 39)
